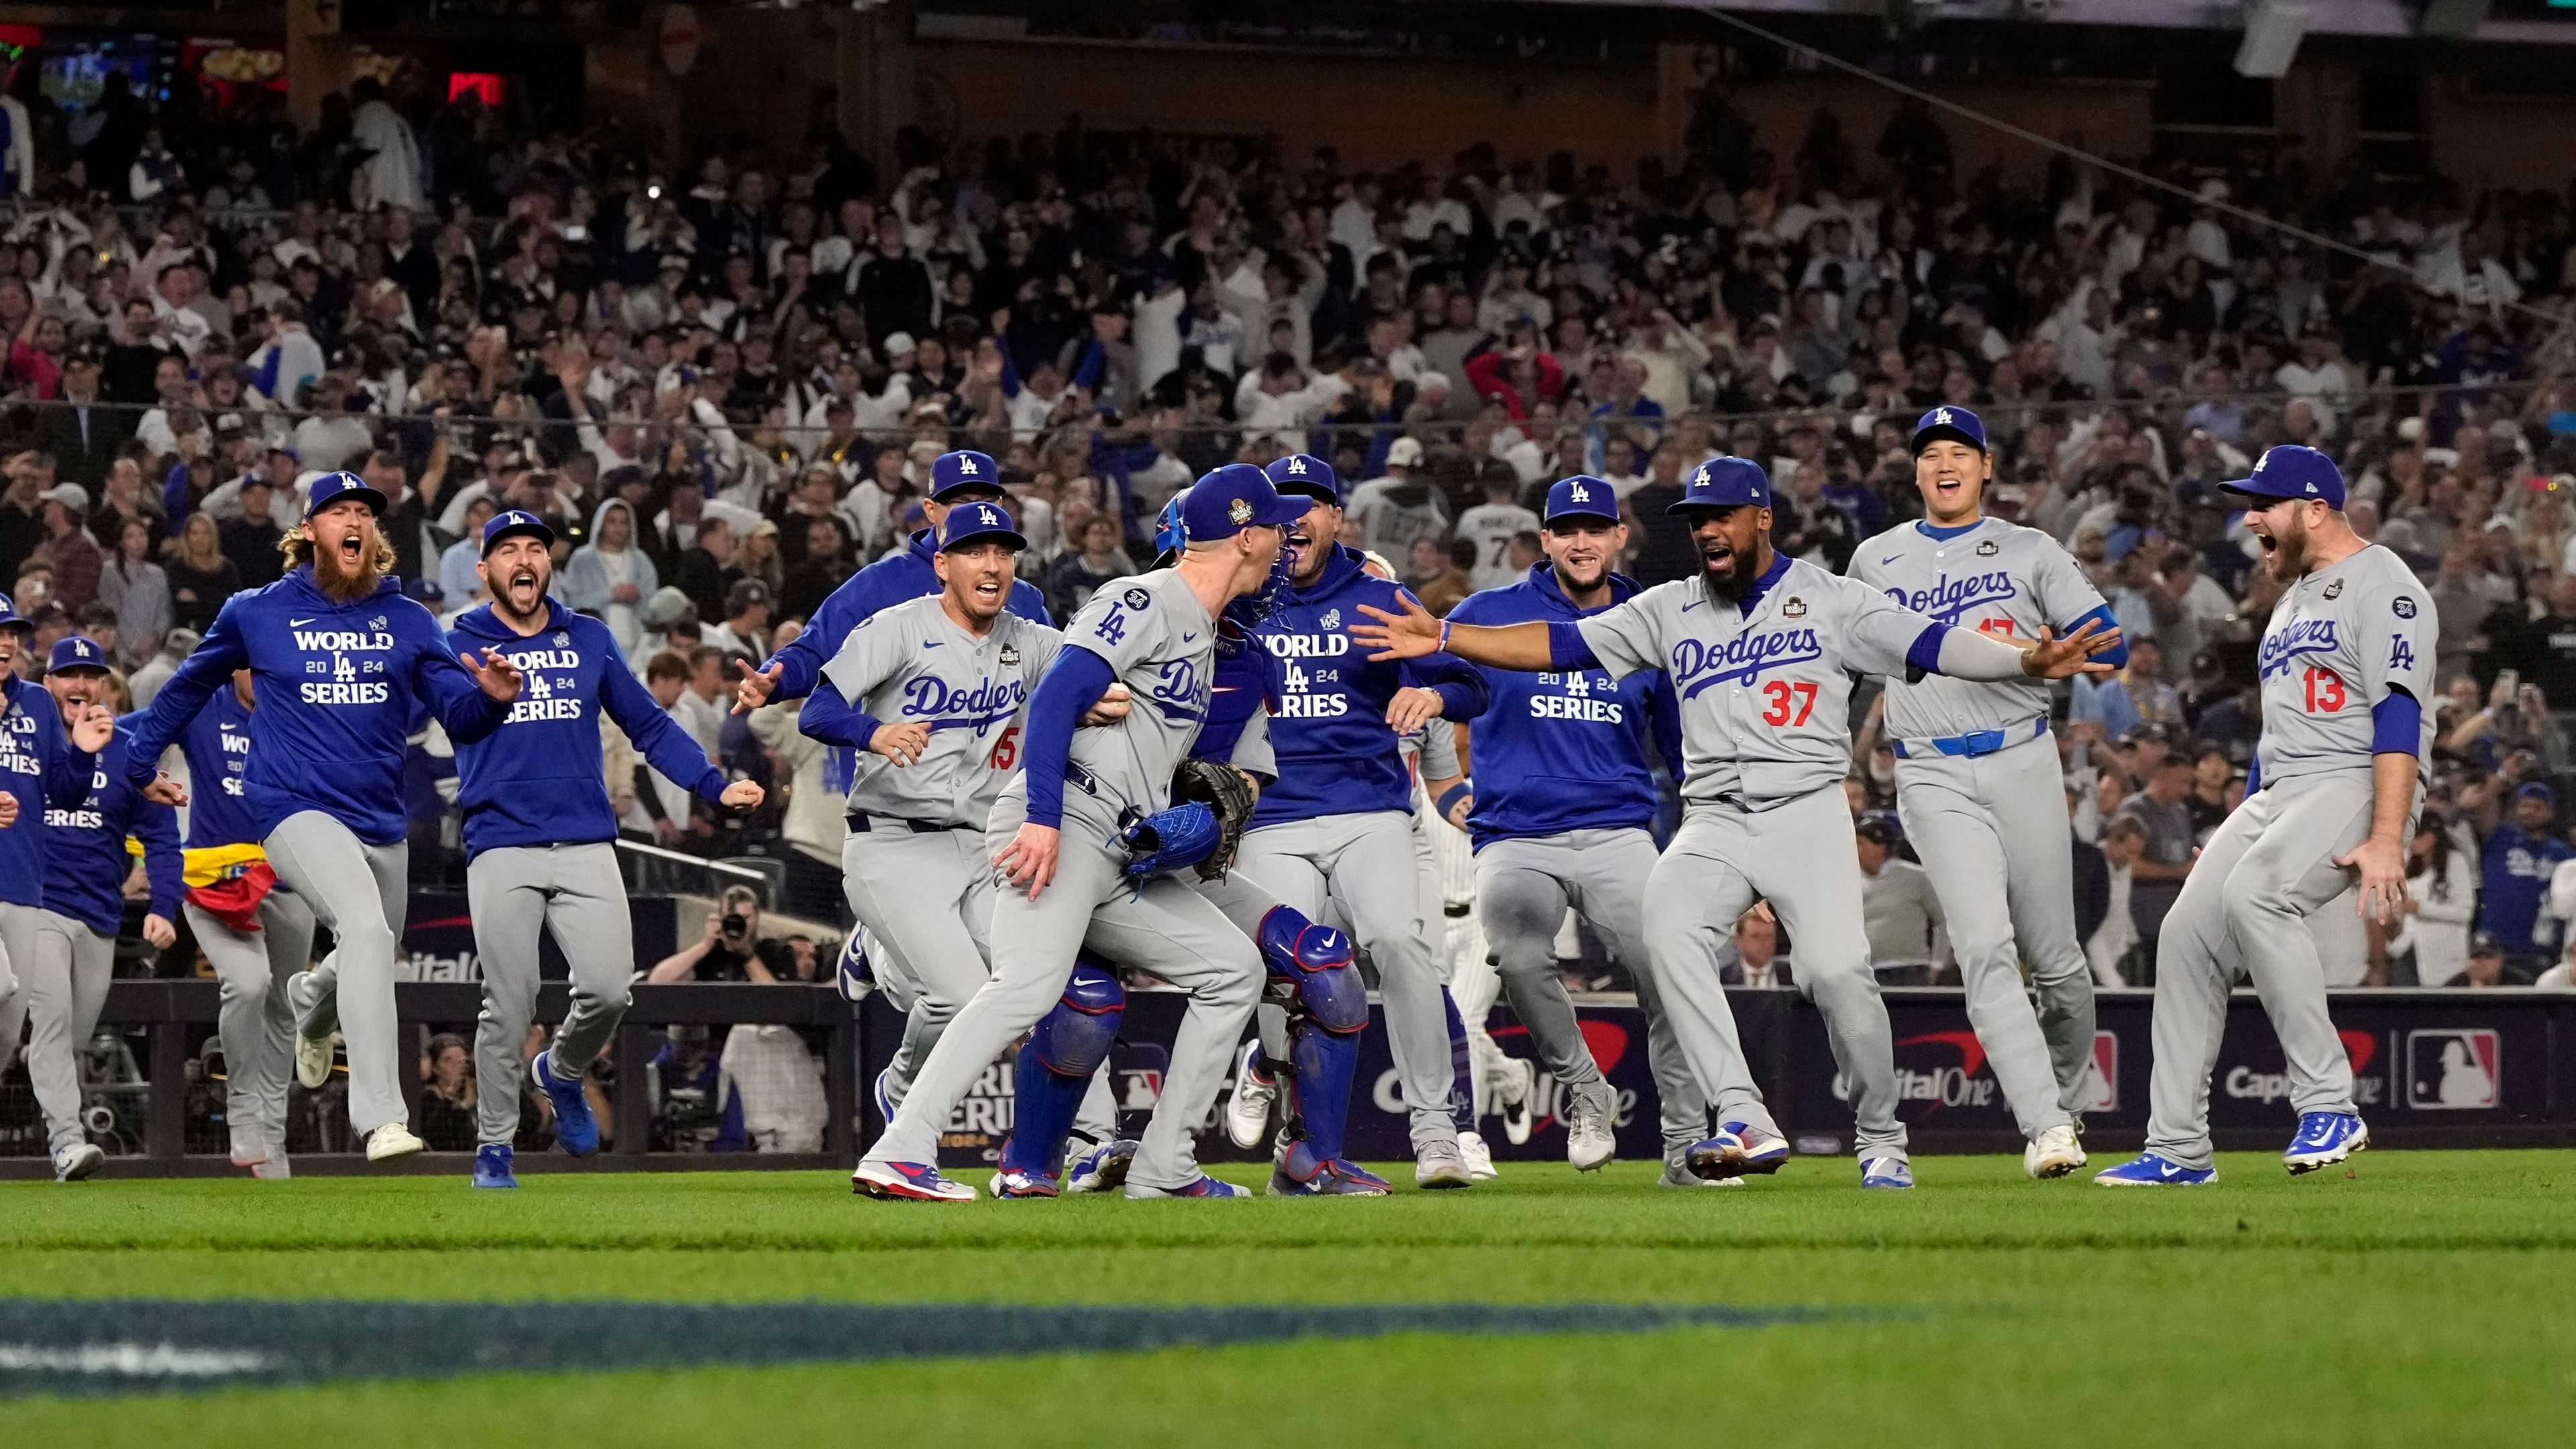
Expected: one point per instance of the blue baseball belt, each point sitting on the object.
(1969, 746)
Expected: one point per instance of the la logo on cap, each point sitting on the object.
(1296, 465)
(1941, 417)
(1579, 495)
(80, 647)
(966, 464)
(985, 515)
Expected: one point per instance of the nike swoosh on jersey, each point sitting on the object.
(1189, 638)
(1891, 558)
(300, 623)
(1693, 604)
(930, 643)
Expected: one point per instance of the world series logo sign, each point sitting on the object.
(2454, 1069)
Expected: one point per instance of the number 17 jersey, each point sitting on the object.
(1992, 576)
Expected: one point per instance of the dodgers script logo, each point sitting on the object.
(1948, 598)
(1744, 658)
(2303, 636)
(948, 706)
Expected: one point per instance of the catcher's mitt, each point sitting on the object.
(1223, 789)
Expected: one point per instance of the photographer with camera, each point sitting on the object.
(731, 949)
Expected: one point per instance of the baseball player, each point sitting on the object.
(1759, 649)
(1977, 780)
(47, 759)
(255, 932)
(1314, 1004)
(1056, 837)
(1565, 819)
(1340, 820)
(539, 835)
(85, 869)
(2346, 662)
(343, 663)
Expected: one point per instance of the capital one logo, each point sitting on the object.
(2457, 1069)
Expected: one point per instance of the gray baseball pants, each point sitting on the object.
(2241, 911)
(1993, 834)
(927, 898)
(1166, 929)
(1523, 888)
(1367, 864)
(360, 892)
(255, 1022)
(1803, 859)
(65, 989)
(575, 892)
(17, 958)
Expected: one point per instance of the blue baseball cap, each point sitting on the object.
(75, 652)
(9, 615)
(1725, 483)
(975, 522)
(1306, 475)
(516, 520)
(1581, 496)
(330, 488)
(961, 470)
(424, 591)
(1957, 424)
(2532, 791)
(2290, 471)
(1233, 498)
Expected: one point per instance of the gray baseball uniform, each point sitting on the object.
(2341, 642)
(1765, 699)
(914, 865)
(336, 873)
(1158, 640)
(254, 1020)
(65, 990)
(1980, 795)
(577, 893)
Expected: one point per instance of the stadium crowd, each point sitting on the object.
(724, 390)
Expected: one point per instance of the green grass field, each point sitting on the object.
(2422, 1298)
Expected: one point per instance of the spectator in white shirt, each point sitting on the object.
(1491, 526)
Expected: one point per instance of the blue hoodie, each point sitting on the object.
(40, 765)
(1336, 754)
(1564, 750)
(85, 860)
(338, 685)
(217, 745)
(907, 573)
(536, 780)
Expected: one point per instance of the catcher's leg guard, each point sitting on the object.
(1067, 1046)
(1329, 1011)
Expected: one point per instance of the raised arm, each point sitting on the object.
(669, 749)
(1415, 634)
(207, 668)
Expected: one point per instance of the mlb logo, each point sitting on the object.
(2101, 1087)
(2454, 1069)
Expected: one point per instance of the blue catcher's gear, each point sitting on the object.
(1315, 961)
(1172, 534)
(1330, 1006)
(1183, 835)
(1067, 1046)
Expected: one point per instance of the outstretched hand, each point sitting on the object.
(756, 687)
(92, 727)
(494, 674)
(2054, 658)
(1409, 635)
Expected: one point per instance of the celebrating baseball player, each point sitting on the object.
(1340, 819)
(255, 932)
(1058, 839)
(343, 663)
(1563, 819)
(1759, 649)
(85, 869)
(539, 835)
(2346, 662)
(1977, 782)
(1313, 1004)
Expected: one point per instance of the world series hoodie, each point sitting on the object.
(1336, 754)
(338, 686)
(42, 767)
(85, 858)
(536, 780)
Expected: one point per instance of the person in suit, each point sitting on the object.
(82, 436)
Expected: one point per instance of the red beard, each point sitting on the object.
(342, 587)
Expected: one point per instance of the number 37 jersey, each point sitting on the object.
(2340, 642)
(1765, 689)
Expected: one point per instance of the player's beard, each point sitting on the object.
(2290, 550)
(348, 588)
(1730, 584)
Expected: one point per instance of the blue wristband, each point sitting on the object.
(1450, 797)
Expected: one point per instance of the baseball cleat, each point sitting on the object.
(1247, 1112)
(2053, 1153)
(2150, 1170)
(1717, 1158)
(1764, 1149)
(248, 1148)
(312, 1054)
(493, 1166)
(1441, 1166)
(1886, 1172)
(393, 1139)
(1480, 1158)
(71, 1164)
(1200, 1186)
(1678, 1174)
(1517, 1094)
(275, 1169)
(908, 1182)
(2324, 1139)
(1589, 1141)
(1020, 1182)
(1337, 1178)
(1102, 1167)
(575, 1128)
